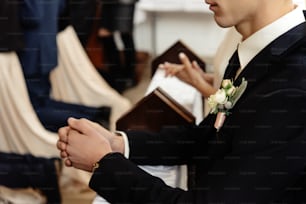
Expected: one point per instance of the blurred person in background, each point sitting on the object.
(40, 24)
(118, 16)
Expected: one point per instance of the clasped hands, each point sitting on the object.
(83, 143)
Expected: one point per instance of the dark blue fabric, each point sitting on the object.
(22, 171)
(40, 23)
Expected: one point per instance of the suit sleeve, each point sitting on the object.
(267, 165)
(258, 157)
(171, 146)
(120, 181)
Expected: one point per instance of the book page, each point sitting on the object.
(183, 93)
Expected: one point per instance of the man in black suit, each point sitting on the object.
(256, 156)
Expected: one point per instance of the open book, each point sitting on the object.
(154, 111)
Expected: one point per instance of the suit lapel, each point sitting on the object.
(267, 62)
(274, 53)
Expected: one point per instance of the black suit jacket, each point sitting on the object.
(258, 156)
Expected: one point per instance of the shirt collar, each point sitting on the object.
(250, 47)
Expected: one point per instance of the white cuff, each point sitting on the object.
(126, 144)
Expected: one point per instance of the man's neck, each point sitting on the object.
(262, 19)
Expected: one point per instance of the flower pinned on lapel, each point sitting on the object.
(224, 99)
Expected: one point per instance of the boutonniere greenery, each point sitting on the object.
(224, 99)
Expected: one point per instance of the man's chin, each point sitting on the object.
(222, 23)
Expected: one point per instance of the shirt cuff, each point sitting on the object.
(126, 143)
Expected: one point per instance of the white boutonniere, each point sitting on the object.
(224, 99)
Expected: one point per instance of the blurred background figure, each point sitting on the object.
(117, 16)
(40, 23)
(81, 16)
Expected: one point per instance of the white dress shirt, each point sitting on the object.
(251, 46)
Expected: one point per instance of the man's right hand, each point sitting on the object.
(83, 143)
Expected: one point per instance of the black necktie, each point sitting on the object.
(232, 67)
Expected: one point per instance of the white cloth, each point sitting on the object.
(76, 80)
(21, 131)
(23, 195)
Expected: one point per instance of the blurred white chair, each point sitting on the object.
(21, 131)
(76, 80)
